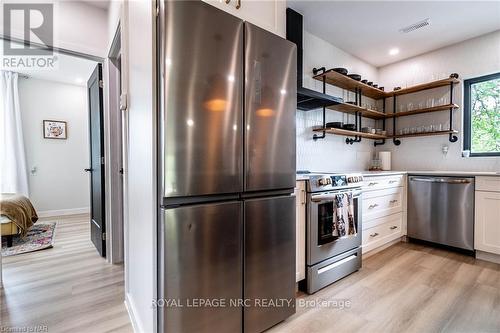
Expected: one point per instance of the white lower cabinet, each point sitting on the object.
(487, 216)
(300, 253)
(383, 211)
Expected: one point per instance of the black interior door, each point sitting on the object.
(97, 215)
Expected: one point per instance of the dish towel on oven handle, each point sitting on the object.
(343, 224)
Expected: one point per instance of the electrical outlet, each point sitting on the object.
(445, 149)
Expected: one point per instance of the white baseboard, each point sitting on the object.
(134, 319)
(491, 257)
(63, 212)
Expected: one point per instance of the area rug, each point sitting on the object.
(39, 237)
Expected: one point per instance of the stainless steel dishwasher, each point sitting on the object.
(441, 210)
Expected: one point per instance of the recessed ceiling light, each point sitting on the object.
(394, 51)
(79, 80)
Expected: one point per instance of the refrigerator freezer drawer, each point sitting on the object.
(201, 258)
(269, 261)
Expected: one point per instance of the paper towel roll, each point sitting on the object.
(385, 160)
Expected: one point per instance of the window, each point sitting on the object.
(482, 115)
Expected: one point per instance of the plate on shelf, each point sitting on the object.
(356, 77)
(340, 70)
(334, 124)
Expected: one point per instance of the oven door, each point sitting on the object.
(321, 245)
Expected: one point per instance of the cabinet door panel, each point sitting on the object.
(487, 222)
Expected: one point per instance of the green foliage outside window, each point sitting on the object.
(485, 116)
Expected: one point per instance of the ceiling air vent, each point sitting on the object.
(415, 26)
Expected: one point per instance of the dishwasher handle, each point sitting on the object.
(441, 180)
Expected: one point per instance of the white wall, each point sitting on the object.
(332, 153)
(472, 58)
(78, 26)
(140, 170)
(60, 182)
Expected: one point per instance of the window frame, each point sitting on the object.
(468, 116)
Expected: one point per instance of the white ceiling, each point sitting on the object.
(103, 4)
(369, 29)
(67, 69)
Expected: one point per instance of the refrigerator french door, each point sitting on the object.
(201, 100)
(227, 169)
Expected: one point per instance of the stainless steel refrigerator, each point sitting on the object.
(227, 171)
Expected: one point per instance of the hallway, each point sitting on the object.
(65, 288)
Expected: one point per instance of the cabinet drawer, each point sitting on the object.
(490, 184)
(381, 182)
(382, 220)
(382, 203)
(382, 234)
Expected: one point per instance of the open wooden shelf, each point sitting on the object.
(425, 134)
(426, 110)
(351, 108)
(343, 132)
(345, 82)
(423, 86)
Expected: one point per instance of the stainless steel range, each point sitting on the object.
(330, 253)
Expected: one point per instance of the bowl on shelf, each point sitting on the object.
(349, 127)
(381, 88)
(340, 70)
(366, 129)
(334, 124)
(375, 86)
(370, 83)
(364, 81)
(380, 131)
(356, 77)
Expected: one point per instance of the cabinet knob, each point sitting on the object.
(393, 201)
(372, 184)
(393, 227)
(374, 235)
(372, 206)
(238, 4)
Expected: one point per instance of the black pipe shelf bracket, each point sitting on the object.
(323, 134)
(452, 137)
(382, 142)
(395, 140)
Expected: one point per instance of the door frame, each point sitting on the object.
(115, 154)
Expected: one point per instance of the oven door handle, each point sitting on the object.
(327, 197)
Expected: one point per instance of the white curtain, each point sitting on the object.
(13, 171)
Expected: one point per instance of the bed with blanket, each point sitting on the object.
(17, 215)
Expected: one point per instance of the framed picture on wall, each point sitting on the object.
(54, 129)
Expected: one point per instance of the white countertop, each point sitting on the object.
(436, 173)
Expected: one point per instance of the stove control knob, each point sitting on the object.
(350, 179)
(324, 181)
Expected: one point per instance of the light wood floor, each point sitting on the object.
(68, 288)
(408, 288)
(405, 288)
